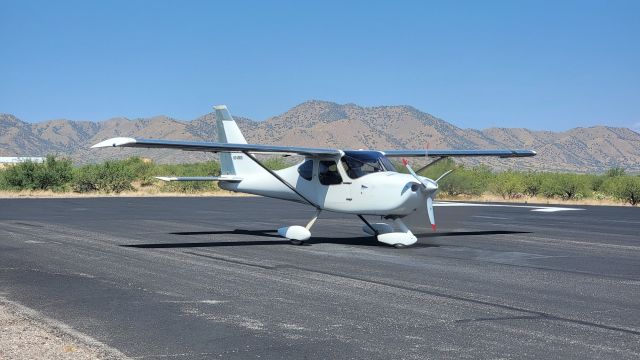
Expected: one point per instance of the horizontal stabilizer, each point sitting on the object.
(199, 178)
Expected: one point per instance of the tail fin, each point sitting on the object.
(229, 132)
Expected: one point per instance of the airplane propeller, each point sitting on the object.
(429, 187)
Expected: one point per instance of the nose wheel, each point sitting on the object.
(386, 234)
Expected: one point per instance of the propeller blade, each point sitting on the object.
(413, 173)
(430, 212)
(443, 175)
(430, 187)
(406, 164)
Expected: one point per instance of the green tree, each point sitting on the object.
(615, 171)
(276, 163)
(507, 184)
(436, 170)
(108, 177)
(463, 181)
(209, 168)
(53, 174)
(625, 188)
(532, 183)
(566, 186)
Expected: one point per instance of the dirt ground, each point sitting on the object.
(26, 334)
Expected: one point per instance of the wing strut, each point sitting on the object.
(431, 163)
(369, 225)
(281, 180)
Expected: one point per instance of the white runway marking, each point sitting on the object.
(533, 208)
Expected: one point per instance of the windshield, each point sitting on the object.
(360, 163)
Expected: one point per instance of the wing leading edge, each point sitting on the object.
(255, 148)
(459, 153)
(214, 147)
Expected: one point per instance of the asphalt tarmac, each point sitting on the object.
(209, 278)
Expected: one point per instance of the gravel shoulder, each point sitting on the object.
(26, 334)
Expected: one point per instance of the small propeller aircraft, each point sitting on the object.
(358, 182)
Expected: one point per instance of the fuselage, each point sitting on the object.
(360, 182)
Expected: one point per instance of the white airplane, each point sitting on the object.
(358, 182)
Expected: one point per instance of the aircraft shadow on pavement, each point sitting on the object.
(358, 240)
(470, 233)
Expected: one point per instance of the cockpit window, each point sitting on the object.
(328, 173)
(306, 170)
(360, 163)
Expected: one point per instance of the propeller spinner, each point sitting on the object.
(429, 188)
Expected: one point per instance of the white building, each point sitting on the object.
(19, 159)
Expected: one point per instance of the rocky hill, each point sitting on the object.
(326, 124)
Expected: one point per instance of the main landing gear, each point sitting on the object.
(386, 234)
(297, 235)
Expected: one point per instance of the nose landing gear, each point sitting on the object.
(385, 233)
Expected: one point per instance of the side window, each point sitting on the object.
(306, 170)
(328, 173)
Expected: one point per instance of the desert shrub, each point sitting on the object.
(599, 196)
(508, 184)
(3, 181)
(436, 170)
(566, 186)
(595, 182)
(142, 170)
(108, 177)
(463, 181)
(276, 163)
(613, 172)
(532, 183)
(624, 188)
(209, 168)
(53, 174)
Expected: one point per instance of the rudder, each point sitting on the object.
(229, 132)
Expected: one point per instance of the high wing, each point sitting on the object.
(255, 148)
(459, 153)
(214, 147)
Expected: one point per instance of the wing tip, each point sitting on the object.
(113, 142)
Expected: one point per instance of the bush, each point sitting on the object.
(625, 188)
(53, 174)
(3, 180)
(436, 170)
(565, 186)
(464, 181)
(595, 182)
(111, 176)
(141, 169)
(276, 163)
(507, 184)
(532, 183)
(614, 172)
(210, 168)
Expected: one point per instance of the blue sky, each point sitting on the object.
(537, 64)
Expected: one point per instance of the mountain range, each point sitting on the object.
(326, 124)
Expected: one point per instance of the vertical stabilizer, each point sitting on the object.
(229, 132)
